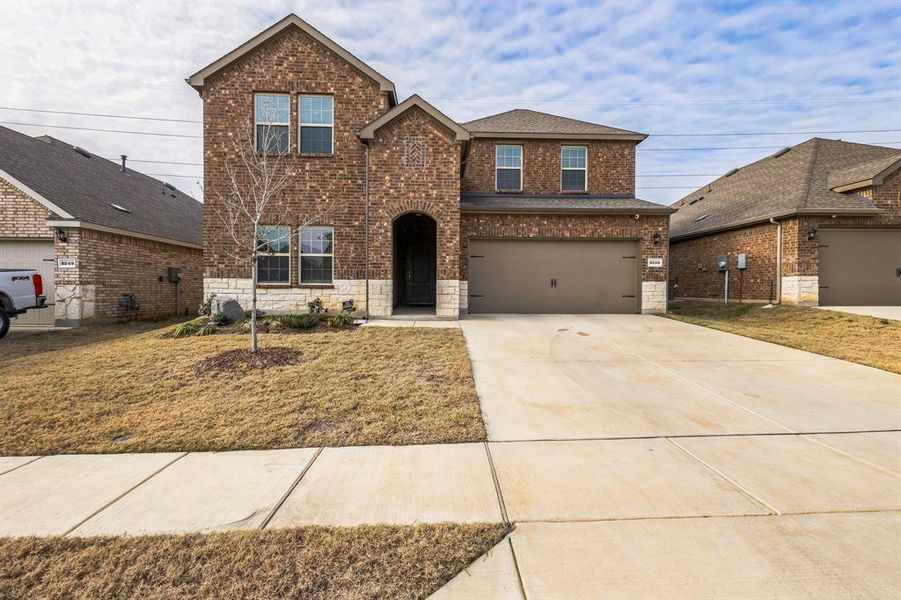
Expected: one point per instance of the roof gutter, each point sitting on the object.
(858, 212)
(76, 224)
(633, 137)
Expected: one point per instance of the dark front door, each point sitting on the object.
(420, 272)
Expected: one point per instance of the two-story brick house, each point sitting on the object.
(401, 206)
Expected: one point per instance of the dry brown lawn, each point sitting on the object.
(865, 340)
(73, 394)
(309, 562)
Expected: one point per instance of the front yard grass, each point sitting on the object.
(309, 562)
(866, 340)
(146, 392)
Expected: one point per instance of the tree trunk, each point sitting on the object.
(253, 306)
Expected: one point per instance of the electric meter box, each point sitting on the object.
(742, 261)
(722, 263)
(173, 274)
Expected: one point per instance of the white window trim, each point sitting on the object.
(301, 124)
(285, 124)
(288, 254)
(585, 169)
(301, 254)
(521, 161)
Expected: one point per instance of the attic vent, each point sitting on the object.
(82, 151)
(779, 153)
(414, 151)
(731, 172)
(698, 199)
(702, 217)
(122, 208)
(169, 185)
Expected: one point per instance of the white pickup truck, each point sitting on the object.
(20, 290)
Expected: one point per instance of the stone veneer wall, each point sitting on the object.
(285, 299)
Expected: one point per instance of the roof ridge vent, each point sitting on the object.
(779, 153)
(731, 172)
(82, 151)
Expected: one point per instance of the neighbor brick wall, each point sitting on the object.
(759, 279)
(611, 166)
(20, 216)
(500, 226)
(433, 189)
(113, 265)
(329, 190)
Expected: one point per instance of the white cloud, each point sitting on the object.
(657, 67)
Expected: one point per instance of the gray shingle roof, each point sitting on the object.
(582, 204)
(795, 182)
(862, 172)
(523, 121)
(86, 188)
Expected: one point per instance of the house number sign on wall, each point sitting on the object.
(655, 262)
(65, 263)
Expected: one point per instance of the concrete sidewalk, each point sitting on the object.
(545, 481)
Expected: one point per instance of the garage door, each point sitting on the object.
(553, 276)
(31, 254)
(860, 267)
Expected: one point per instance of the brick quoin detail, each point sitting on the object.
(613, 227)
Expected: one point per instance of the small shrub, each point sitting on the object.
(249, 313)
(219, 319)
(208, 329)
(298, 321)
(206, 307)
(884, 322)
(184, 329)
(316, 307)
(342, 319)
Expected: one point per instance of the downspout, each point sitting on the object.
(778, 298)
(366, 221)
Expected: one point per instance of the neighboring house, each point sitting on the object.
(517, 212)
(96, 231)
(819, 223)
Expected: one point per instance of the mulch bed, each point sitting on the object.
(232, 361)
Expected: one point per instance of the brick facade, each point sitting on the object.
(21, 216)
(611, 166)
(110, 266)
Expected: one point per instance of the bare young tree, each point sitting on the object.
(246, 201)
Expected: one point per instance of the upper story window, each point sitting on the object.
(573, 168)
(316, 124)
(508, 168)
(275, 264)
(316, 254)
(271, 122)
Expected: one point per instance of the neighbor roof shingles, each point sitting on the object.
(776, 186)
(86, 188)
(524, 121)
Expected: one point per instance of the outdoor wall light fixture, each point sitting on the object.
(656, 238)
(811, 233)
(61, 235)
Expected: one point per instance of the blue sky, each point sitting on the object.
(662, 68)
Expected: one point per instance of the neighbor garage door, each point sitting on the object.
(553, 276)
(860, 267)
(31, 254)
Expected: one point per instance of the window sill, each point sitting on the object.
(507, 191)
(574, 192)
(317, 286)
(315, 155)
(273, 285)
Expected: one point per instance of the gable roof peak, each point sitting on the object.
(198, 79)
(368, 131)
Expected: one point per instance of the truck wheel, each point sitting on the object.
(4, 322)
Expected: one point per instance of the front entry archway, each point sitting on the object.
(415, 238)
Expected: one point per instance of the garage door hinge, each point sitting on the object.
(628, 257)
(822, 245)
(476, 256)
(625, 296)
(824, 287)
(476, 296)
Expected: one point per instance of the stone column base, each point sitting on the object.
(447, 298)
(801, 289)
(653, 297)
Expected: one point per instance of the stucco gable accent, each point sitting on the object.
(368, 132)
(198, 79)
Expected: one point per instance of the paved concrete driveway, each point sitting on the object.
(559, 377)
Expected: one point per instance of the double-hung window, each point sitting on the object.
(316, 254)
(274, 260)
(573, 168)
(508, 168)
(272, 117)
(317, 123)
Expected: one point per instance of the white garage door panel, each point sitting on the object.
(31, 254)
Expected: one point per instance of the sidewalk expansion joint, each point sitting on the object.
(290, 490)
(741, 488)
(852, 456)
(680, 436)
(25, 464)
(497, 484)
(522, 585)
(126, 492)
